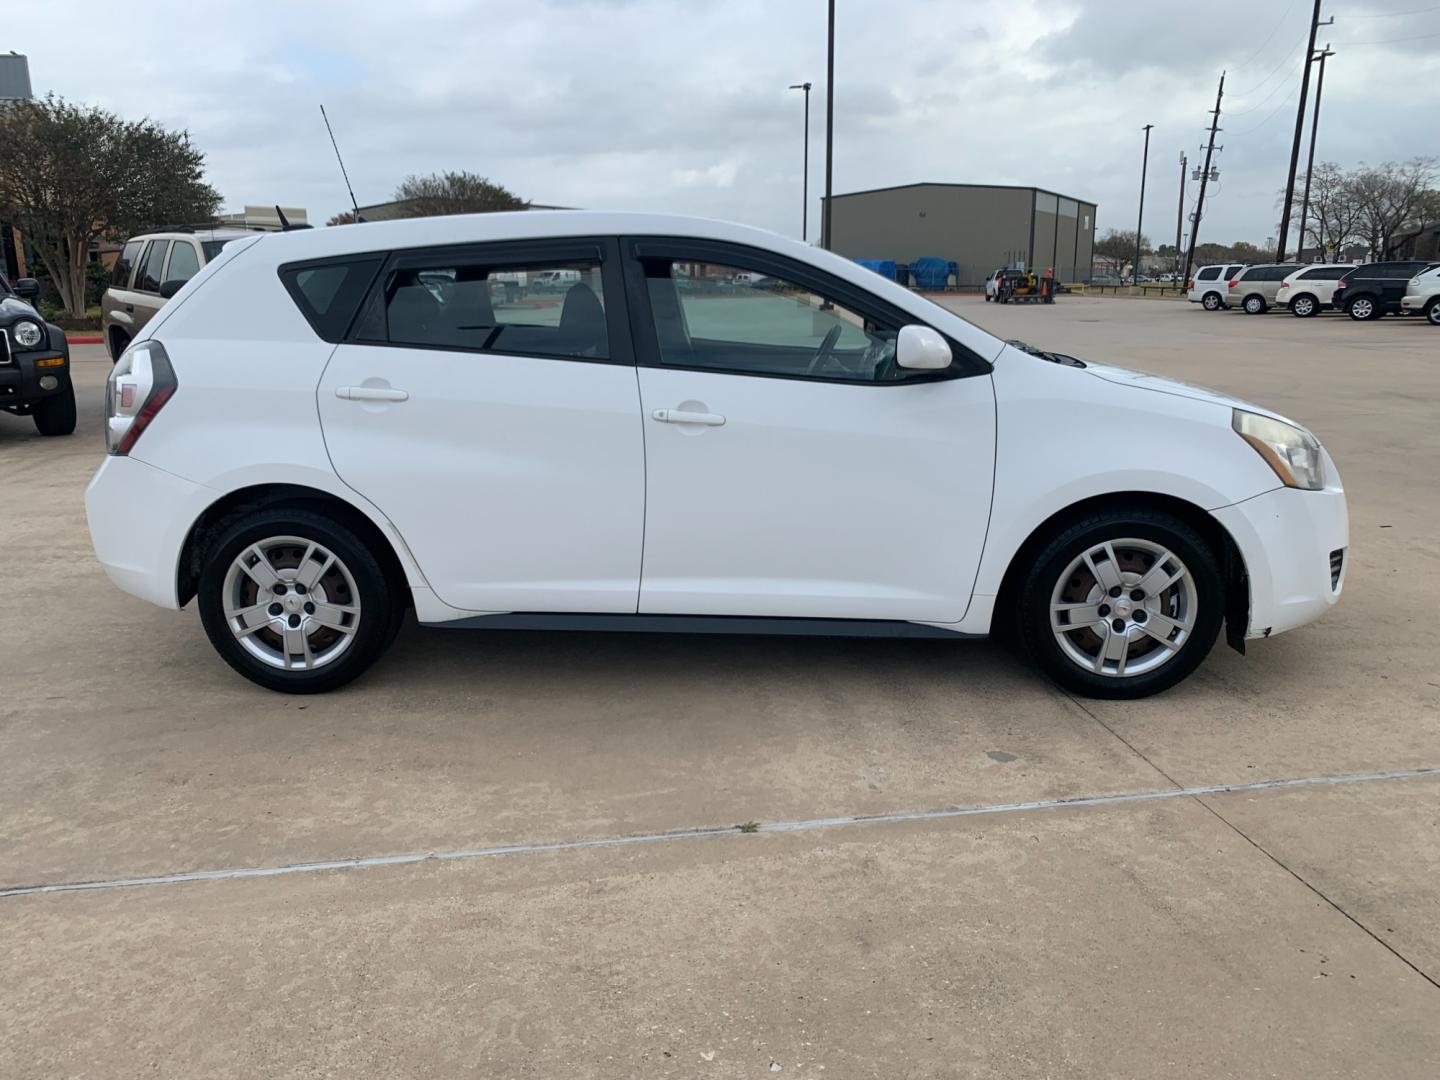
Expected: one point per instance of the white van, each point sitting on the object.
(1210, 287)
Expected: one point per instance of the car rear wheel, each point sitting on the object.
(295, 601)
(1304, 306)
(119, 342)
(1254, 305)
(1432, 312)
(1363, 308)
(1211, 301)
(56, 415)
(1121, 604)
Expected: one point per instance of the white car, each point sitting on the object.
(1422, 295)
(1210, 286)
(1307, 291)
(310, 439)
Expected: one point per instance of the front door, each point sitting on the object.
(489, 408)
(792, 469)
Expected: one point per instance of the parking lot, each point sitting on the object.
(1285, 930)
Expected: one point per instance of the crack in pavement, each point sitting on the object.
(716, 831)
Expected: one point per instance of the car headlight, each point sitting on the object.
(1291, 451)
(27, 333)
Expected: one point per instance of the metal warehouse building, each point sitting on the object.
(980, 227)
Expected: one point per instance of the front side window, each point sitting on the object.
(536, 310)
(184, 264)
(120, 275)
(728, 318)
(1324, 273)
(149, 277)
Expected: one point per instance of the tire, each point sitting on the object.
(1211, 301)
(1254, 305)
(1187, 611)
(56, 415)
(294, 543)
(1304, 306)
(1363, 308)
(1432, 312)
(119, 341)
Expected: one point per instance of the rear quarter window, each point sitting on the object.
(1210, 273)
(329, 293)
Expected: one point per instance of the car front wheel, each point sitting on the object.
(1433, 312)
(296, 601)
(1121, 604)
(56, 415)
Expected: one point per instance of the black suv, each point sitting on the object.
(34, 362)
(1369, 291)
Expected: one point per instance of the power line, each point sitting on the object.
(1389, 41)
(1273, 70)
(1267, 98)
(1268, 38)
(1391, 14)
(1272, 115)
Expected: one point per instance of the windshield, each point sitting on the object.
(5, 289)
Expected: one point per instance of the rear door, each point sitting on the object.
(498, 428)
(792, 469)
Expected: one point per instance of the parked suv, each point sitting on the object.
(1255, 287)
(1423, 295)
(1210, 287)
(1307, 292)
(324, 428)
(151, 269)
(1376, 289)
(34, 362)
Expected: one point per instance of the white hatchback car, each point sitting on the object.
(326, 428)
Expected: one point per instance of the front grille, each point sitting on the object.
(4, 346)
(1337, 567)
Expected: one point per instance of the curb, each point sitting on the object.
(84, 339)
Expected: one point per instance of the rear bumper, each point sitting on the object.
(1414, 303)
(139, 517)
(1287, 538)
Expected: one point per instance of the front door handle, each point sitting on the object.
(370, 393)
(683, 416)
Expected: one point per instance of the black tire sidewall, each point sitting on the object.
(1259, 306)
(380, 609)
(1305, 302)
(55, 415)
(1068, 542)
(1206, 302)
(1432, 311)
(1374, 309)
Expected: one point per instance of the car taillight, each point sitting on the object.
(1190, 284)
(140, 384)
(1234, 282)
(1340, 284)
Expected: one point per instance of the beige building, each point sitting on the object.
(980, 227)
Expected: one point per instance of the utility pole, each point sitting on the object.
(1310, 164)
(1180, 211)
(1204, 177)
(1295, 144)
(830, 127)
(805, 175)
(1144, 167)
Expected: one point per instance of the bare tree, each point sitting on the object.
(1116, 250)
(454, 193)
(1389, 199)
(70, 174)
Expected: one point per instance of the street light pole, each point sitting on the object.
(1310, 164)
(805, 175)
(1144, 167)
(829, 127)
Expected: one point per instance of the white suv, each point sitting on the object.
(1422, 295)
(325, 428)
(1307, 291)
(1210, 287)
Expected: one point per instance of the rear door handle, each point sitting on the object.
(681, 416)
(370, 393)
(130, 309)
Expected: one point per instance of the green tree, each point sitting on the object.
(70, 174)
(1116, 249)
(454, 193)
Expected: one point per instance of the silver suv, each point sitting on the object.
(150, 270)
(1254, 288)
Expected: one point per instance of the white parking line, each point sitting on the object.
(653, 838)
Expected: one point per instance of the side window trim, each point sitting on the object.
(723, 253)
(170, 258)
(601, 249)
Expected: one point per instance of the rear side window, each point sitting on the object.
(1324, 273)
(120, 275)
(329, 293)
(184, 264)
(148, 279)
(554, 309)
(1210, 273)
(212, 248)
(1234, 270)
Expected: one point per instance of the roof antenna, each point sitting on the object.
(354, 205)
(285, 225)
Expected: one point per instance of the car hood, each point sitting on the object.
(1143, 380)
(12, 307)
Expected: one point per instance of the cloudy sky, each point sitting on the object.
(679, 105)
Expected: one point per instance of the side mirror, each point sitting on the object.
(27, 287)
(922, 349)
(171, 287)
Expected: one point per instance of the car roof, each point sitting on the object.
(200, 234)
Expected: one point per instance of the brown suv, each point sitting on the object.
(150, 270)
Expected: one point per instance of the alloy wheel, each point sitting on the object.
(1362, 308)
(1211, 302)
(1123, 608)
(291, 603)
(1303, 306)
(1433, 313)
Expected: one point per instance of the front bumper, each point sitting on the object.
(20, 377)
(139, 517)
(1296, 550)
